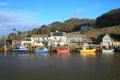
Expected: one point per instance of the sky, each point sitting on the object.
(26, 15)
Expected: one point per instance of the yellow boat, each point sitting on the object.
(88, 51)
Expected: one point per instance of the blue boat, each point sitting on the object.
(41, 51)
(21, 49)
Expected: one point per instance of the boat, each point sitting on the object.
(41, 51)
(117, 50)
(88, 50)
(108, 51)
(21, 49)
(61, 51)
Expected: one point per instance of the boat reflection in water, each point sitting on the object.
(88, 54)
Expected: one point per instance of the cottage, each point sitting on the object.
(104, 39)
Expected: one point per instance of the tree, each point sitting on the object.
(18, 32)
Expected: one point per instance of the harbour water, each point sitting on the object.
(14, 66)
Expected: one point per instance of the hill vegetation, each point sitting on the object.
(111, 18)
(95, 32)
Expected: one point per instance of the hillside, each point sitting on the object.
(94, 33)
(111, 18)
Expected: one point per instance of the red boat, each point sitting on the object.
(59, 51)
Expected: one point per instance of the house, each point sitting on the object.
(75, 38)
(109, 40)
(39, 40)
(104, 40)
(57, 38)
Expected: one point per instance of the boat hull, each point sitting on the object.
(63, 51)
(20, 50)
(107, 51)
(41, 51)
(88, 51)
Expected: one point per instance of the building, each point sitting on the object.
(73, 38)
(104, 40)
(109, 40)
(57, 38)
(39, 40)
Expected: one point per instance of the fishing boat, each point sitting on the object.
(61, 51)
(21, 49)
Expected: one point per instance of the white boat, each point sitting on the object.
(21, 49)
(108, 51)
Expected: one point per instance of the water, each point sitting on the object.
(15, 66)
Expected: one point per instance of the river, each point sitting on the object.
(14, 66)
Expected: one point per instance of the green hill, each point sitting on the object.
(111, 18)
(95, 32)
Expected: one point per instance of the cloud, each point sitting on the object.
(79, 10)
(3, 4)
(21, 20)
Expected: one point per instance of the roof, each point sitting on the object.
(115, 37)
(39, 35)
(76, 35)
(57, 33)
(100, 37)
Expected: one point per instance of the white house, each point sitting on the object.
(104, 40)
(55, 39)
(75, 38)
(39, 40)
(58, 38)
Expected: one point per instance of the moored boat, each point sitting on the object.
(59, 51)
(117, 50)
(21, 49)
(41, 51)
(108, 51)
(88, 51)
